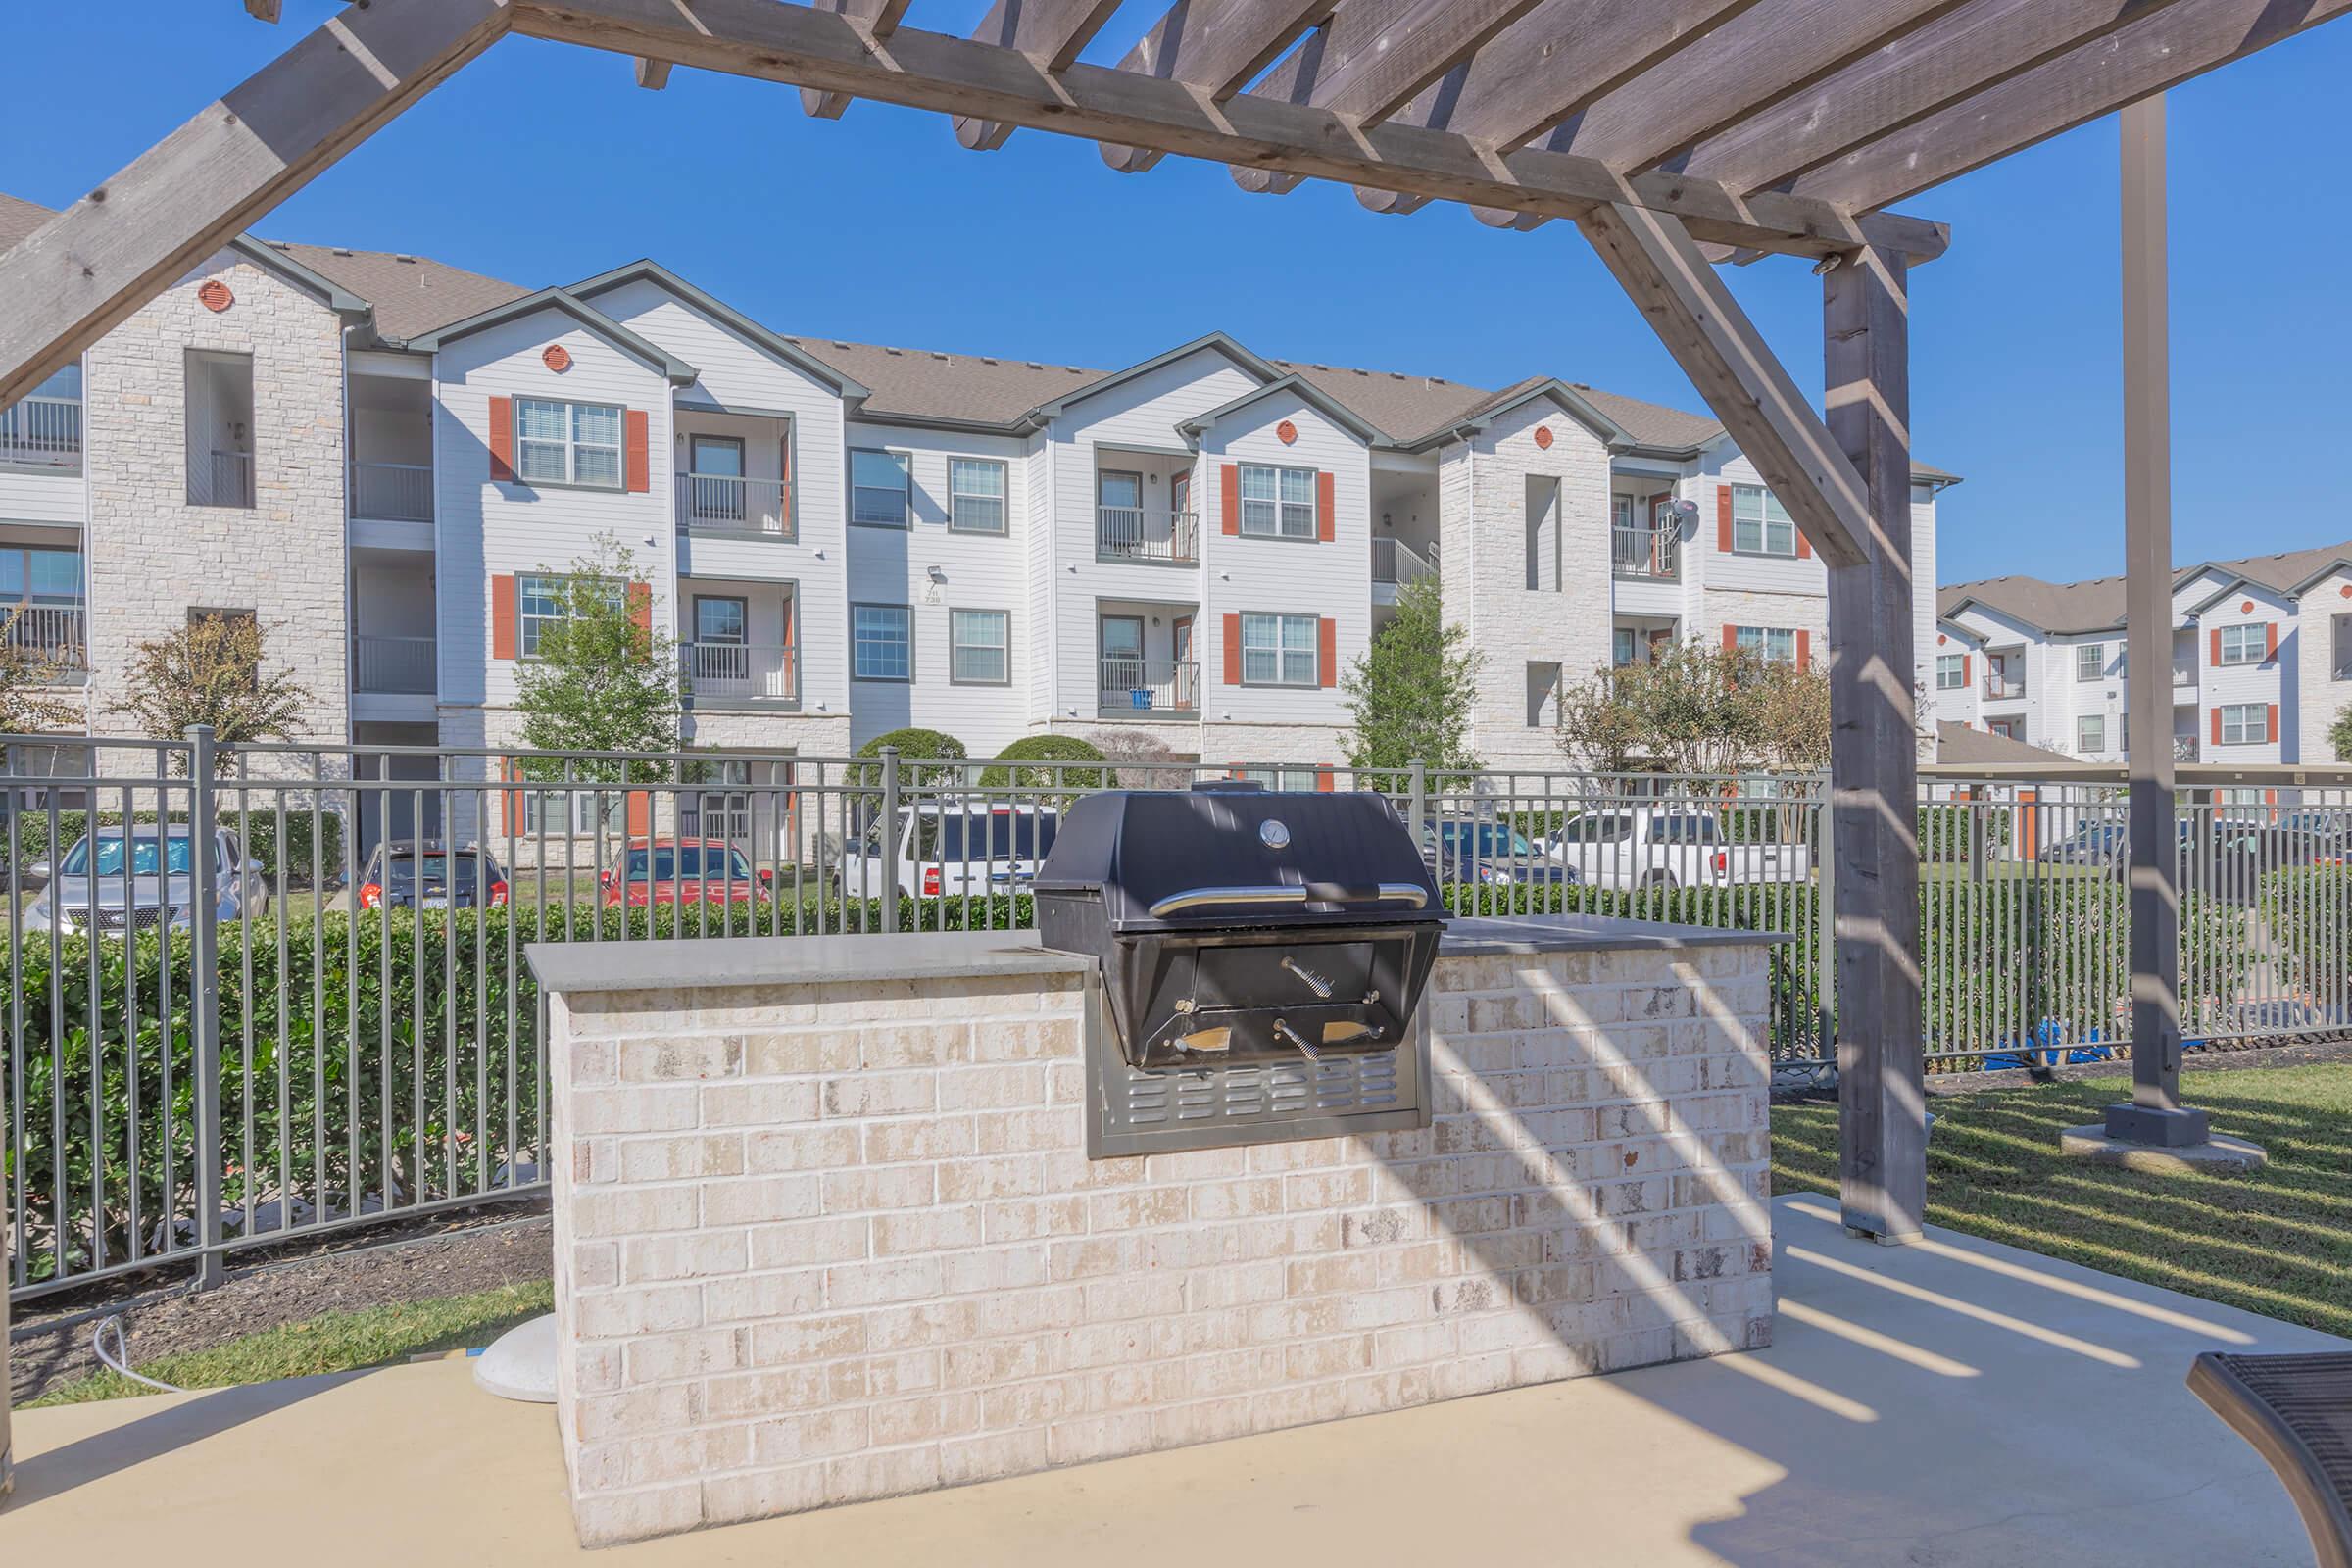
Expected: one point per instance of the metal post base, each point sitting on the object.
(2158, 1129)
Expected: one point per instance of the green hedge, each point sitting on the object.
(1950, 833)
(27, 839)
(2307, 912)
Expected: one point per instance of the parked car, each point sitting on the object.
(683, 871)
(2228, 860)
(1668, 847)
(408, 875)
(1490, 853)
(949, 849)
(2100, 843)
(143, 878)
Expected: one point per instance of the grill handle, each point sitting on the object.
(1284, 893)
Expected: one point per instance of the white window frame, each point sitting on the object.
(959, 646)
(1285, 780)
(1760, 525)
(578, 814)
(529, 623)
(2235, 730)
(1625, 644)
(1766, 643)
(2090, 661)
(1951, 673)
(905, 491)
(957, 495)
(572, 445)
(1280, 650)
(2090, 733)
(2247, 644)
(1276, 516)
(905, 614)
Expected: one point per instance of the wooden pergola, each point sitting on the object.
(1676, 134)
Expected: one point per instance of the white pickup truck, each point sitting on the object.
(1665, 847)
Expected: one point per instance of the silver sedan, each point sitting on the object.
(142, 878)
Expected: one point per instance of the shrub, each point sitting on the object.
(915, 746)
(1948, 834)
(2307, 912)
(1047, 749)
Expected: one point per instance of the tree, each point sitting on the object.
(1048, 748)
(29, 676)
(209, 672)
(1601, 730)
(2341, 736)
(1699, 710)
(1792, 718)
(1412, 692)
(601, 678)
(1142, 761)
(914, 745)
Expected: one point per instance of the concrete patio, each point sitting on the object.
(1956, 1402)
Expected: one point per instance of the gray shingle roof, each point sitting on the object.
(2097, 604)
(411, 295)
(1977, 748)
(19, 218)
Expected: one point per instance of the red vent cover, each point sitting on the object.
(558, 357)
(1543, 437)
(1287, 432)
(214, 295)
(2246, 609)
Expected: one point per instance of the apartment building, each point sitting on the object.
(391, 463)
(2261, 662)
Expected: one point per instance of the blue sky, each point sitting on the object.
(542, 164)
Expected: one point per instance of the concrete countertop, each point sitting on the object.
(654, 965)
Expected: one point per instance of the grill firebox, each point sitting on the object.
(1264, 953)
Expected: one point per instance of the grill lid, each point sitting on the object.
(1234, 854)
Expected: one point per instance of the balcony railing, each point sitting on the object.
(2000, 688)
(396, 665)
(1646, 552)
(2185, 748)
(2184, 675)
(396, 492)
(1131, 533)
(1397, 563)
(56, 634)
(1139, 687)
(720, 503)
(727, 673)
(42, 433)
(221, 480)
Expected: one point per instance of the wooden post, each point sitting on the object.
(2154, 1114)
(1873, 760)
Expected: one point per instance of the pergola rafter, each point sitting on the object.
(1674, 133)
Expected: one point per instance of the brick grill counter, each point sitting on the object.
(826, 1229)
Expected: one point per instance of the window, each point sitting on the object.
(2343, 648)
(1289, 780)
(2245, 724)
(547, 811)
(567, 443)
(219, 428)
(2009, 729)
(1621, 645)
(1775, 645)
(1951, 673)
(2091, 734)
(979, 646)
(539, 602)
(882, 642)
(878, 494)
(720, 619)
(976, 495)
(1760, 526)
(1278, 650)
(2090, 660)
(1279, 503)
(2245, 644)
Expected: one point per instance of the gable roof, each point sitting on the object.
(718, 310)
(412, 294)
(1980, 748)
(2097, 604)
(1307, 391)
(588, 315)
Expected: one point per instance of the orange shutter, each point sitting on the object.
(502, 616)
(2270, 648)
(1232, 498)
(1804, 546)
(1325, 507)
(1327, 651)
(502, 440)
(1968, 671)
(1324, 780)
(640, 468)
(1731, 639)
(640, 813)
(1723, 518)
(2216, 646)
(2217, 722)
(1233, 643)
(1804, 649)
(2274, 724)
(641, 606)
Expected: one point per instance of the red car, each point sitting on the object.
(684, 871)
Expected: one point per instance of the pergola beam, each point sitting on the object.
(879, 17)
(1049, 32)
(1215, 46)
(2147, 56)
(816, 49)
(77, 276)
(1966, 51)
(1691, 309)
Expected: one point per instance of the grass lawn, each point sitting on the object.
(2277, 1242)
(337, 1341)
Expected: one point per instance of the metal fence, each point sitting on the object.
(267, 990)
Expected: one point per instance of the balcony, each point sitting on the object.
(2000, 688)
(395, 492)
(221, 480)
(1646, 555)
(401, 666)
(741, 675)
(1150, 688)
(2185, 748)
(42, 432)
(57, 635)
(732, 506)
(1397, 564)
(1161, 538)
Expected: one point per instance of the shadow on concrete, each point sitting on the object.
(175, 1423)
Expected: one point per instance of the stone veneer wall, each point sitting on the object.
(837, 1242)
